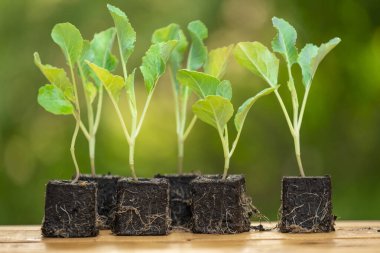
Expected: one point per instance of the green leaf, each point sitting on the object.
(91, 91)
(172, 32)
(68, 37)
(112, 83)
(202, 84)
(259, 60)
(217, 61)
(311, 56)
(52, 99)
(246, 106)
(285, 40)
(101, 46)
(214, 110)
(56, 76)
(198, 51)
(125, 32)
(154, 63)
(224, 89)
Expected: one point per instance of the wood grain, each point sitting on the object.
(350, 236)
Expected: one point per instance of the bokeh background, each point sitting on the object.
(340, 134)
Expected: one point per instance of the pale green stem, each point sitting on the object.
(147, 102)
(180, 154)
(191, 125)
(294, 98)
(298, 154)
(303, 107)
(82, 127)
(234, 144)
(285, 112)
(121, 119)
(225, 152)
(98, 109)
(132, 159)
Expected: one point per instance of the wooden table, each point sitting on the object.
(350, 236)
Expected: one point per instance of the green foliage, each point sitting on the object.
(285, 40)
(53, 100)
(217, 61)
(259, 60)
(200, 83)
(112, 83)
(125, 33)
(69, 39)
(198, 51)
(224, 89)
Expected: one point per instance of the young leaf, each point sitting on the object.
(68, 37)
(56, 76)
(259, 60)
(310, 57)
(125, 32)
(113, 83)
(217, 61)
(154, 62)
(285, 40)
(198, 51)
(214, 110)
(52, 99)
(202, 84)
(224, 89)
(246, 106)
(101, 46)
(91, 91)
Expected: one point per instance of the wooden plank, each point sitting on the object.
(350, 236)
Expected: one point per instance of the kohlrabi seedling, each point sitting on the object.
(215, 108)
(197, 58)
(61, 95)
(152, 68)
(259, 60)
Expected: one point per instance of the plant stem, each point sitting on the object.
(132, 158)
(225, 151)
(298, 153)
(99, 109)
(285, 112)
(190, 126)
(121, 119)
(303, 107)
(147, 102)
(180, 154)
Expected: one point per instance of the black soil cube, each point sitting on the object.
(142, 207)
(180, 199)
(306, 205)
(220, 206)
(106, 198)
(70, 209)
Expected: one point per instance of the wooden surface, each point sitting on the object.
(350, 236)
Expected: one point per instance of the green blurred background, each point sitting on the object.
(340, 134)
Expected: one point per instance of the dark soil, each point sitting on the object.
(220, 206)
(180, 199)
(306, 205)
(106, 198)
(70, 209)
(142, 207)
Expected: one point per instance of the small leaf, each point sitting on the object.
(202, 84)
(68, 37)
(154, 63)
(198, 51)
(52, 99)
(112, 83)
(101, 46)
(56, 76)
(91, 91)
(217, 61)
(246, 106)
(285, 40)
(224, 89)
(214, 110)
(125, 32)
(311, 56)
(259, 60)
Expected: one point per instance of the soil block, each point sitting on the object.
(306, 205)
(142, 207)
(180, 199)
(106, 198)
(220, 206)
(70, 209)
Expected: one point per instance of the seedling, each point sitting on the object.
(260, 61)
(215, 108)
(152, 68)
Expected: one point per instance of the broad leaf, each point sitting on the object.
(224, 89)
(68, 37)
(285, 40)
(198, 51)
(52, 99)
(217, 61)
(56, 76)
(311, 56)
(91, 91)
(154, 63)
(202, 84)
(259, 60)
(125, 33)
(112, 83)
(246, 106)
(214, 110)
(101, 46)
